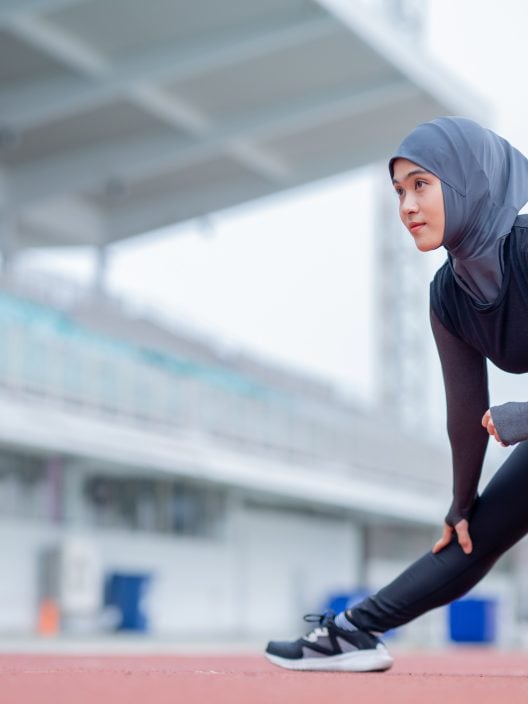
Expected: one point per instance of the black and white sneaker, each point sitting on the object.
(330, 648)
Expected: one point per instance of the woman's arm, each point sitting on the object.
(466, 387)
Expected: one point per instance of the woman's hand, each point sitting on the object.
(462, 531)
(487, 422)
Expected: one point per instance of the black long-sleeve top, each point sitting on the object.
(466, 334)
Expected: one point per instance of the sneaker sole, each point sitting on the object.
(355, 661)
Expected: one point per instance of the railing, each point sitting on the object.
(45, 352)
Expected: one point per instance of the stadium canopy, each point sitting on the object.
(121, 116)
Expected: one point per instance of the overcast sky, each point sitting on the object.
(291, 277)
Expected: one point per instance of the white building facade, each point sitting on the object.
(240, 489)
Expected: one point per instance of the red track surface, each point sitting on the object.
(471, 677)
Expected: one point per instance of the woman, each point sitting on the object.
(459, 186)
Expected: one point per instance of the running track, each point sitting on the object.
(450, 677)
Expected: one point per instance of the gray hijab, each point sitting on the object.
(484, 184)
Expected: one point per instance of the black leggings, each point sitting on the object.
(499, 520)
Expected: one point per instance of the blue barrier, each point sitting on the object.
(343, 600)
(127, 592)
(340, 601)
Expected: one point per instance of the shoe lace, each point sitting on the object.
(322, 620)
(319, 618)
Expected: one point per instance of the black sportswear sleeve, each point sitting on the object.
(466, 387)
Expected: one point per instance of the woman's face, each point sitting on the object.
(421, 203)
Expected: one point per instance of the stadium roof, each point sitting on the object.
(121, 116)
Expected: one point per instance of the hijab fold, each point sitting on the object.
(484, 184)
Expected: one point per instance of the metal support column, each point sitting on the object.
(7, 227)
(100, 270)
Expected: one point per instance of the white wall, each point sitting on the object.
(258, 579)
(268, 569)
(291, 564)
(20, 546)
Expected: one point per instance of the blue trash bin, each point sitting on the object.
(473, 620)
(127, 593)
